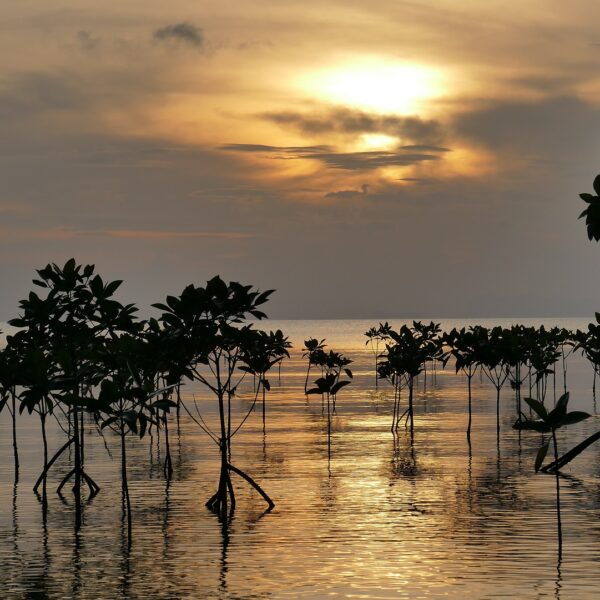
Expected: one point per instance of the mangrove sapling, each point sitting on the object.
(491, 359)
(515, 350)
(465, 348)
(36, 374)
(267, 350)
(409, 349)
(71, 324)
(376, 336)
(592, 212)
(164, 405)
(428, 331)
(562, 338)
(589, 344)
(549, 422)
(330, 384)
(8, 370)
(288, 345)
(334, 364)
(207, 321)
(165, 357)
(124, 404)
(313, 351)
(543, 355)
(391, 372)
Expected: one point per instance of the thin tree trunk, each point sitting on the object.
(498, 414)
(218, 502)
(264, 417)
(410, 410)
(564, 370)
(376, 363)
(518, 391)
(328, 429)
(558, 519)
(168, 467)
(178, 409)
(45, 442)
(306, 380)
(229, 422)
(470, 416)
(395, 411)
(14, 433)
(82, 444)
(77, 470)
(124, 483)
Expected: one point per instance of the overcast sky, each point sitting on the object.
(365, 159)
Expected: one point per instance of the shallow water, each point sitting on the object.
(377, 520)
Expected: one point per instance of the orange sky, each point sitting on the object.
(411, 156)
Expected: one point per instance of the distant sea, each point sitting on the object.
(348, 334)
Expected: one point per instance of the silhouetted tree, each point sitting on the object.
(208, 321)
(592, 212)
(549, 422)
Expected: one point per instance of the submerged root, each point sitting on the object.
(223, 500)
(44, 474)
(255, 485)
(92, 485)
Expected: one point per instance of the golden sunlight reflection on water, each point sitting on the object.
(378, 520)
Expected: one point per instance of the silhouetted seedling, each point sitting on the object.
(314, 352)
(67, 328)
(406, 354)
(333, 365)
(465, 347)
(9, 365)
(376, 338)
(549, 422)
(266, 351)
(592, 212)
(207, 322)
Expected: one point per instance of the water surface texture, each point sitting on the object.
(378, 520)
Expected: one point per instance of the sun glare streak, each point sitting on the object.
(377, 141)
(375, 86)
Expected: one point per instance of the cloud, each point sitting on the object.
(417, 180)
(282, 150)
(184, 33)
(14, 208)
(31, 92)
(349, 194)
(350, 161)
(348, 121)
(67, 233)
(162, 235)
(550, 128)
(425, 148)
(358, 161)
(87, 42)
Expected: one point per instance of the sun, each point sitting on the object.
(376, 86)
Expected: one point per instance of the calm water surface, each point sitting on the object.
(378, 520)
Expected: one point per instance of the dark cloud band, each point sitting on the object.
(180, 32)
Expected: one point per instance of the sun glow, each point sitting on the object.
(376, 141)
(375, 86)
